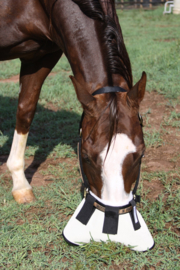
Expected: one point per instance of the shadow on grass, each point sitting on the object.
(50, 131)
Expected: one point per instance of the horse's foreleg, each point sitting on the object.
(32, 77)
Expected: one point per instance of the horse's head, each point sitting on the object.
(112, 140)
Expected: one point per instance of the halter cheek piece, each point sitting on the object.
(111, 218)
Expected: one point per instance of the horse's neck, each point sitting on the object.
(82, 43)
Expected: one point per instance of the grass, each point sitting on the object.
(173, 120)
(153, 46)
(31, 235)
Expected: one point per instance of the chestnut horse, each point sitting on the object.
(88, 33)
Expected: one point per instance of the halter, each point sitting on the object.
(91, 202)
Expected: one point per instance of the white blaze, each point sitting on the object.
(113, 192)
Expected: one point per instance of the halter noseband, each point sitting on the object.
(85, 213)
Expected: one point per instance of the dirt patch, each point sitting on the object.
(154, 187)
(166, 40)
(15, 78)
(160, 157)
(167, 25)
(51, 107)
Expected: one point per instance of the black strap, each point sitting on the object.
(108, 89)
(137, 180)
(111, 220)
(87, 210)
(83, 176)
(134, 217)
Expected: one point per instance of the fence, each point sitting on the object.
(138, 3)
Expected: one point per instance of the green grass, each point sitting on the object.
(31, 235)
(7, 70)
(173, 120)
(153, 43)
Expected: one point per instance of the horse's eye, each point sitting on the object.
(86, 158)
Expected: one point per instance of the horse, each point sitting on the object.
(88, 32)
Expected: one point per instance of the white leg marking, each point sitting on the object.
(113, 192)
(15, 162)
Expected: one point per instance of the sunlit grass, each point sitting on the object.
(153, 46)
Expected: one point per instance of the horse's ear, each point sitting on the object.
(82, 94)
(137, 92)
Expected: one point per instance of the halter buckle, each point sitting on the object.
(86, 191)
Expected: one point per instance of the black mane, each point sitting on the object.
(118, 59)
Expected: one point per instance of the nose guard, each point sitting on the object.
(90, 222)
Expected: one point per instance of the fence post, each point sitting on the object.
(150, 4)
(122, 2)
(176, 9)
(141, 6)
(135, 3)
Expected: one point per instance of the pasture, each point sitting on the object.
(31, 235)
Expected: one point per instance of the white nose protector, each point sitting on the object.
(78, 233)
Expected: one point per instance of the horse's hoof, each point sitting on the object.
(23, 196)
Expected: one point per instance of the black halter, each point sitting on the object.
(91, 202)
(109, 89)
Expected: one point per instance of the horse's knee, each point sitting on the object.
(24, 116)
(15, 165)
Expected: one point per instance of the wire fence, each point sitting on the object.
(138, 3)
